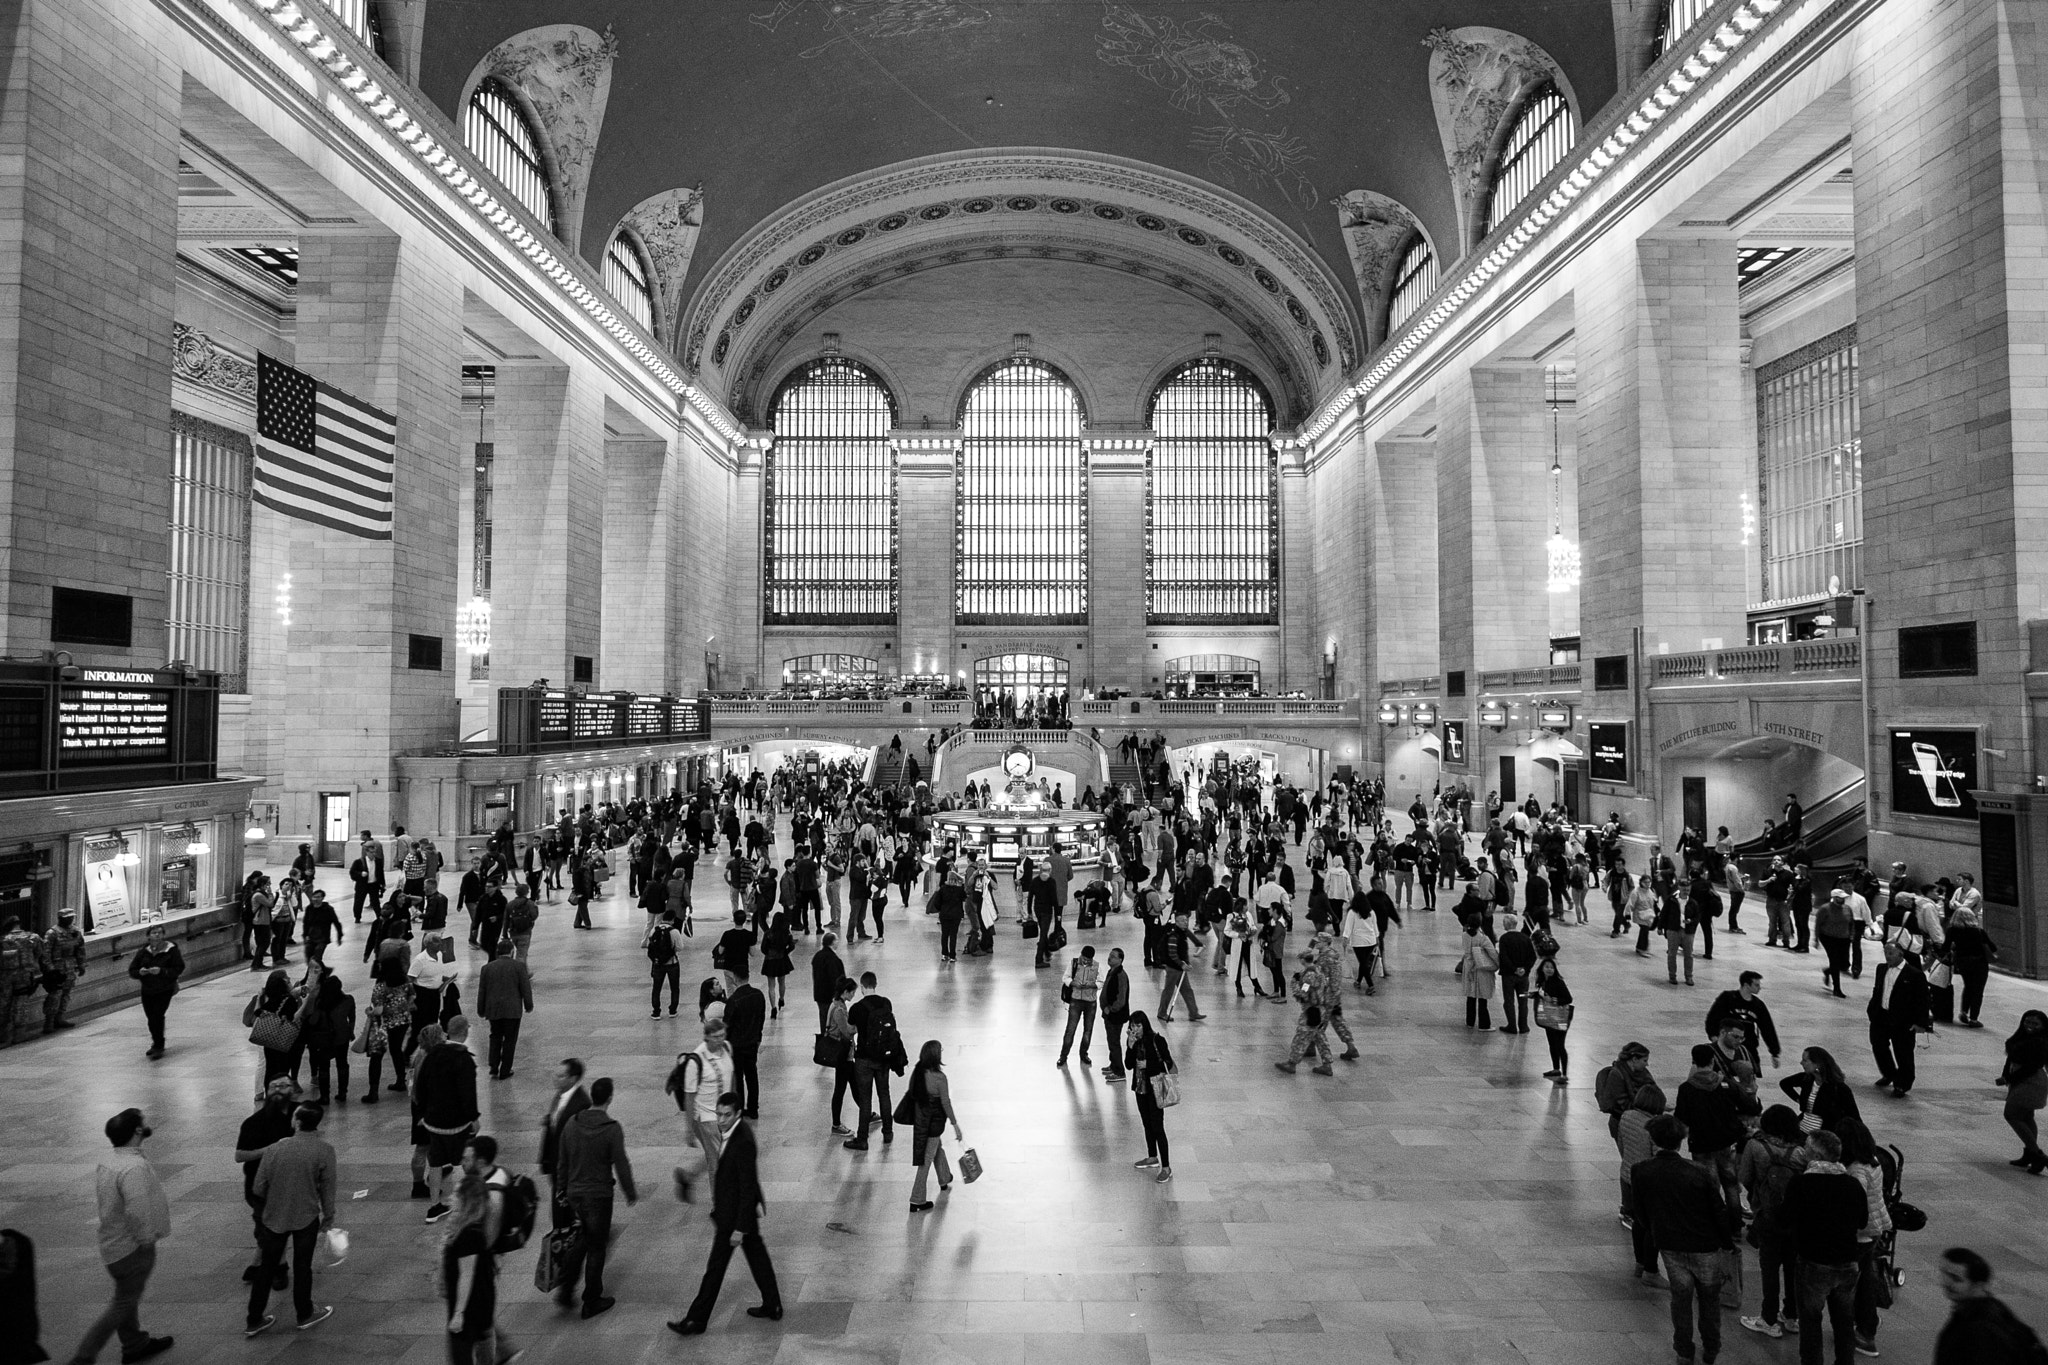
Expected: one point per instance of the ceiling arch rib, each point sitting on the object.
(1026, 204)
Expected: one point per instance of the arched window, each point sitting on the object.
(830, 499)
(1212, 536)
(1412, 282)
(498, 133)
(625, 276)
(1680, 15)
(1022, 529)
(1542, 135)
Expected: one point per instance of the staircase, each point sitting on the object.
(1122, 774)
(888, 769)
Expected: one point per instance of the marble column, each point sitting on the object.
(638, 564)
(547, 515)
(1117, 656)
(927, 480)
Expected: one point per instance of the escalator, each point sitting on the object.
(1834, 832)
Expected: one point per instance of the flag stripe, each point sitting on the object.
(372, 465)
(317, 471)
(323, 456)
(343, 422)
(364, 412)
(341, 505)
(319, 519)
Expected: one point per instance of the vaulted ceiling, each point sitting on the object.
(1287, 104)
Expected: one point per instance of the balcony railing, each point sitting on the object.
(1429, 684)
(1542, 677)
(1124, 710)
(1808, 658)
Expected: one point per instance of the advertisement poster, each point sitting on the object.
(1454, 742)
(1607, 747)
(106, 891)
(1933, 772)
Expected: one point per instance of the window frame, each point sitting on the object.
(1029, 554)
(511, 132)
(1518, 149)
(207, 566)
(1405, 274)
(624, 252)
(833, 596)
(1232, 545)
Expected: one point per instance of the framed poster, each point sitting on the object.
(1607, 751)
(1933, 772)
(1454, 742)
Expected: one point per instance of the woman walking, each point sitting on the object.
(1361, 931)
(327, 1027)
(1821, 1091)
(2025, 1078)
(929, 1100)
(1971, 952)
(777, 944)
(1148, 1061)
(1480, 963)
(272, 1019)
(1554, 1015)
(384, 1027)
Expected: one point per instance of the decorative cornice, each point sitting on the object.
(197, 359)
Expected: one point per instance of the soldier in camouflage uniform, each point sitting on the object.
(1330, 989)
(63, 957)
(21, 972)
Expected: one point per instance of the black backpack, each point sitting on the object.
(661, 948)
(522, 1202)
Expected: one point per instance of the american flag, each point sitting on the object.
(321, 455)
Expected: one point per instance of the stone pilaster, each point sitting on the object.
(1117, 656)
(1493, 503)
(1402, 625)
(1299, 648)
(639, 560)
(927, 482)
(547, 525)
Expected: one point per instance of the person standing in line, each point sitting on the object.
(704, 1074)
(64, 963)
(469, 1261)
(1114, 1001)
(504, 996)
(1080, 990)
(1632, 1139)
(1824, 1207)
(1689, 1227)
(827, 972)
(591, 1160)
(158, 967)
(1859, 1159)
(295, 1180)
(1898, 1011)
(737, 1204)
(1146, 1059)
(1176, 950)
(1980, 1329)
(930, 1097)
(951, 903)
(570, 1100)
(874, 1020)
(746, 1020)
(327, 1025)
(444, 1093)
(1479, 966)
(134, 1215)
(1769, 1161)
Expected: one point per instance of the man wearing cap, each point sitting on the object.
(63, 964)
(134, 1216)
(1898, 1011)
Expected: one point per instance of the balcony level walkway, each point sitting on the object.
(1437, 1203)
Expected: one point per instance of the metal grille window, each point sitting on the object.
(207, 612)
(1022, 530)
(830, 506)
(1811, 463)
(498, 133)
(809, 670)
(1680, 15)
(626, 278)
(1212, 531)
(1196, 675)
(353, 13)
(1026, 677)
(1412, 283)
(1542, 136)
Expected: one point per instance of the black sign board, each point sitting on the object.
(534, 719)
(1998, 845)
(1933, 772)
(1454, 741)
(80, 729)
(1607, 746)
(113, 723)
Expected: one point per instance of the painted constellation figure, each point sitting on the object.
(860, 20)
(1271, 160)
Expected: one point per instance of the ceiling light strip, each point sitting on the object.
(297, 25)
(1594, 167)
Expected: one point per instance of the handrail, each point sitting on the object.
(1806, 657)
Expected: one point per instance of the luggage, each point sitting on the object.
(1058, 938)
(561, 1256)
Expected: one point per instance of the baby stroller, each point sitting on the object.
(1905, 1218)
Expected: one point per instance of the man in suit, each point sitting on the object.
(504, 998)
(736, 1208)
(746, 1018)
(1898, 1010)
(570, 1100)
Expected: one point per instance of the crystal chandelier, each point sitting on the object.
(473, 625)
(1563, 554)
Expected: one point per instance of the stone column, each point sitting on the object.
(380, 318)
(1493, 504)
(1299, 648)
(927, 482)
(547, 525)
(1402, 630)
(639, 560)
(1338, 542)
(1117, 656)
(1951, 232)
(88, 243)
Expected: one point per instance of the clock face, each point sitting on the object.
(1018, 762)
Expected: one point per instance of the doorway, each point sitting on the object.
(331, 847)
(1507, 780)
(1694, 801)
(1572, 778)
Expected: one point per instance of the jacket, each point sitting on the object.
(736, 1198)
(504, 989)
(444, 1088)
(1753, 1014)
(134, 1211)
(170, 965)
(1824, 1209)
(551, 1126)
(1983, 1331)
(593, 1151)
(1115, 996)
(1481, 962)
(1833, 1101)
(1909, 1000)
(746, 1017)
(1084, 981)
(1709, 1111)
(827, 971)
(295, 1180)
(1682, 1201)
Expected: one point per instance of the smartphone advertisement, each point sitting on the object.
(1933, 772)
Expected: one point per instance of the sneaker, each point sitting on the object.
(257, 1329)
(1166, 1174)
(655, 1015)
(320, 1315)
(842, 1130)
(1764, 1326)
(436, 1212)
(155, 1346)
(1865, 1346)
(1146, 1163)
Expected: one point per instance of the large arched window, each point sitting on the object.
(1022, 530)
(625, 277)
(830, 504)
(1680, 15)
(1542, 135)
(498, 133)
(1412, 282)
(1212, 538)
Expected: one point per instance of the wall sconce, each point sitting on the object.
(1423, 714)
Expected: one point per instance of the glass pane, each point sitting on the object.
(1023, 520)
(830, 522)
(1211, 536)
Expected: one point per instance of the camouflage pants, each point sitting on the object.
(18, 1020)
(1308, 1039)
(54, 1004)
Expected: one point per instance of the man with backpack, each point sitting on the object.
(663, 944)
(876, 1048)
(1080, 991)
(469, 1261)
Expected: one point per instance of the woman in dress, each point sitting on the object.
(1146, 1059)
(2025, 1078)
(929, 1098)
(777, 943)
(384, 1028)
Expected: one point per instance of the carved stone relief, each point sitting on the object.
(1475, 75)
(667, 225)
(197, 360)
(1376, 231)
(565, 73)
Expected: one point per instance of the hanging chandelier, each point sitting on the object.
(1563, 554)
(473, 625)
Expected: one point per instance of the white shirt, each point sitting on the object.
(1270, 894)
(715, 1080)
(1337, 884)
(1859, 907)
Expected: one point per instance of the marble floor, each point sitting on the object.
(1438, 1201)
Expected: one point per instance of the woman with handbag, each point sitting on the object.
(2025, 1078)
(1971, 952)
(271, 1017)
(385, 1025)
(1821, 1091)
(1553, 1015)
(1148, 1061)
(929, 1097)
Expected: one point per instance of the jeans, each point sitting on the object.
(301, 1241)
(1154, 1119)
(934, 1155)
(868, 1078)
(1973, 975)
(1830, 1287)
(154, 1007)
(1676, 942)
(1695, 1275)
(122, 1315)
(1837, 950)
(504, 1044)
(595, 1214)
(746, 1079)
(1779, 916)
(1721, 1161)
(1643, 1244)
(842, 1081)
(322, 1057)
(1113, 1023)
(1735, 898)
(949, 935)
(1177, 980)
(1892, 1048)
(1867, 1271)
(671, 973)
(1081, 1013)
(1778, 1256)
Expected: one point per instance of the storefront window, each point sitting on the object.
(129, 878)
(492, 808)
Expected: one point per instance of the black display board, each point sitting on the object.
(1454, 742)
(1607, 751)
(1998, 846)
(1933, 772)
(65, 728)
(534, 719)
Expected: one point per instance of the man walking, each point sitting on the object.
(1689, 1226)
(592, 1159)
(874, 1022)
(570, 1100)
(295, 1180)
(504, 995)
(736, 1207)
(157, 969)
(63, 964)
(1114, 1000)
(1176, 950)
(1080, 990)
(1980, 1329)
(1898, 1010)
(1824, 1207)
(444, 1093)
(707, 1074)
(746, 1019)
(134, 1216)
(827, 971)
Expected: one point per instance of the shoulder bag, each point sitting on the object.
(1166, 1089)
(274, 1031)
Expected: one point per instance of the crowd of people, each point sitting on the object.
(1226, 872)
